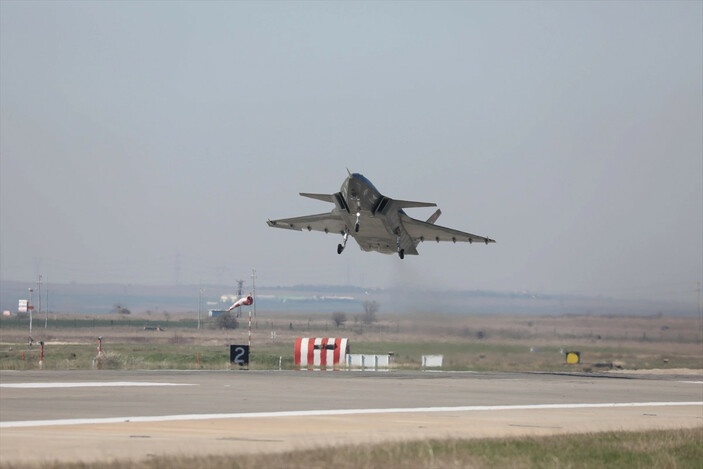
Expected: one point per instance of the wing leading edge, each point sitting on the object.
(423, 231)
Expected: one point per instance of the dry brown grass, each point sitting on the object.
(666, 449)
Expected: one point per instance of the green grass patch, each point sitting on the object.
(176, 353)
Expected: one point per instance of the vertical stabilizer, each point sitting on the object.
(434, 217)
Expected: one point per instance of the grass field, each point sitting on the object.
(479, 343)
(680, 449)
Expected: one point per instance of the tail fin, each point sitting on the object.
(434, 217)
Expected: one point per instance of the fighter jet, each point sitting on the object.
(377, 223)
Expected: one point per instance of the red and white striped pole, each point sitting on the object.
(249, 327)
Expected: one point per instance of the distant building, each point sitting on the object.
(213, 313)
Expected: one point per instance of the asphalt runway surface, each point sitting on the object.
(104, 415)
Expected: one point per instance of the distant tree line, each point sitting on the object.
(369, 316)
(226, 320)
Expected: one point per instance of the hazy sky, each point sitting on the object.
(148, 143)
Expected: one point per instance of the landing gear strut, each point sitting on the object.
(401, 252)
(340, 247)
(356, 227)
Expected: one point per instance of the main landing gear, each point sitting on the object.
(340, 247)
(401, 252)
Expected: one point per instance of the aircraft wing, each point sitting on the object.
(423, 231)
(330, 222)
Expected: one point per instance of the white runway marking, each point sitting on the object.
(96, 384)
(315, 413)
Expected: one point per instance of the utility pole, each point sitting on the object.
(253, 288)
(700, 317)
(200, 303)
(46, 318)
(239, 295)
(47, 299)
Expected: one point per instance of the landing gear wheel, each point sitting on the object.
(340, 248)
(356, 228)
(401, 253)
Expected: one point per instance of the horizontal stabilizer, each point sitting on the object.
(322, 197)
(411, 204)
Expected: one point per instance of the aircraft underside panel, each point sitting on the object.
(369, 226)
(375, 234)
(383, 246)
(379, 245)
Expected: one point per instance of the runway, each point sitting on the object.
(104, 415)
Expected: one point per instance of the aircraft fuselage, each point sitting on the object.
(372, 217)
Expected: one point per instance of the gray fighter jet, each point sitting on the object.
(376, 222)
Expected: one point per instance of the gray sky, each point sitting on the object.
(147, 143)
